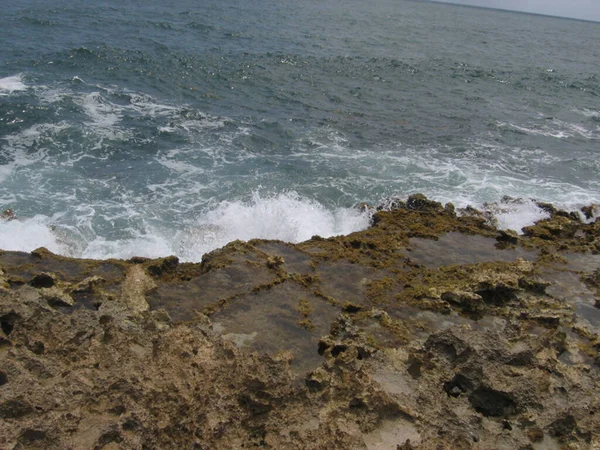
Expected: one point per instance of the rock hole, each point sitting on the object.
(458, 385)
(363, 352)
(497, 295)
(313, 385)
(563, 426)
(37, 347)
(337, 349)
(351, 308)
(3, 378)
(105, 319)
(31, 435)
(414, 367)
(492, 403)
(112, 435)
(42, 280)
(322, 347)
(7, 322)
(130, 424)
(117, 410)
(357, 403)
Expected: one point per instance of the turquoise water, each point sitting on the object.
(175, 127)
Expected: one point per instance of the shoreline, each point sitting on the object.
(425, 329)
(255, 220)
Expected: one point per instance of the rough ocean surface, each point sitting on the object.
(160, 129)
(428, 330)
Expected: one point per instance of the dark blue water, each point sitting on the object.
(174, 127)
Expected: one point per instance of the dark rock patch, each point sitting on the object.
(492, 403)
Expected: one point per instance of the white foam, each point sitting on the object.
(19, 146)
(101, 112)
(558, 134)
(588, 112)
(287, 217)
(557, 129)
(106, 115)
(12, 84)
(515, 215)
(150, 246)
(27, 235)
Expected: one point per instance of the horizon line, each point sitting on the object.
(444, 2)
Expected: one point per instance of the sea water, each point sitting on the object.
(173, 128)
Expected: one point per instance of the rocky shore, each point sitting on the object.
(429, 330)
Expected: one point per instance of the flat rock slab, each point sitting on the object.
(345, 281)
(285, 317)
(183, 299)
(456, 248)
(568, 287)
(582, 262)
(294, 261)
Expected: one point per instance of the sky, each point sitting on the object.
(578, 9)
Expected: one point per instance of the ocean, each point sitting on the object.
(158, 128)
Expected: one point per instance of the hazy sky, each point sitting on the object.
(580, 9)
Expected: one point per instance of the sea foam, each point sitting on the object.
(11, 84)
(285, 216)
(27, 235)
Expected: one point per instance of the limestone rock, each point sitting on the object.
(136, 284)
(56, 296)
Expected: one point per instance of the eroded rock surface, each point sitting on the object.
(429, 330)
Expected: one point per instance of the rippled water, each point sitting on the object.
(161, 129)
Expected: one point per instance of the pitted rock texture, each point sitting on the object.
(427, 331)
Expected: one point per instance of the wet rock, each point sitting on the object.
(158, 268)
(508, 237)
(418, 202)
(41, 252)
(8, 214)
(553, 229)
(591, 211)
(392, 204)
(457, 248)
(496, 293)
